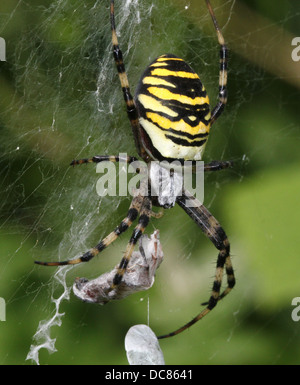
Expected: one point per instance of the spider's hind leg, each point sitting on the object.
(105, 242)
(212, 229)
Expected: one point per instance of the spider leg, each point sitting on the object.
(218, 109)
(212, 229)
(144, 218)
(105, 242)
(105, 158)
(131, 107)
(214, 165)
(217, 165)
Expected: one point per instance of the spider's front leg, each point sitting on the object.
(217, 165)
(212, 229)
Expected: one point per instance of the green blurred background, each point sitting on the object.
(60, 99)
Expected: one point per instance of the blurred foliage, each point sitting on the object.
(54, 106)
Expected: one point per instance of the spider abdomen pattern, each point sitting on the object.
(173, 109)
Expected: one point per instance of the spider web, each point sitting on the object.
(63, 102)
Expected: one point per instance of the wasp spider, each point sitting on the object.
(170, 118)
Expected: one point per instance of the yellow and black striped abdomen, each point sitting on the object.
(173, 110)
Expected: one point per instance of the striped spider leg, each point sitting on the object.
(219, 108)
(213, 230)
